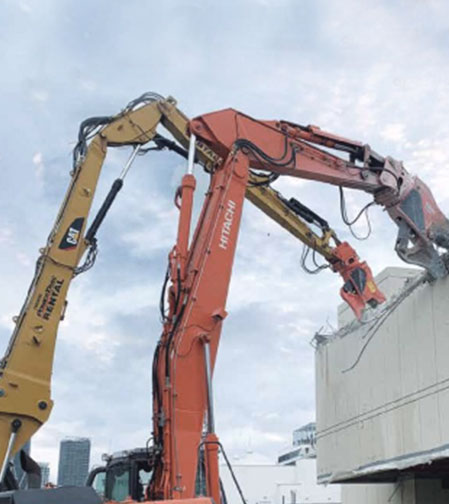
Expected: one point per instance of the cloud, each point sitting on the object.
(394, 132)
(23, 259)
(25, 7)
(39, 95)
(6, 235)
(88, 85)
(37, 158)
(39, 164)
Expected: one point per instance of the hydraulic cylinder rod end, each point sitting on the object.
(15, 426)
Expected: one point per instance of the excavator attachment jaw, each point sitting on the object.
(359, 289)
(422, 225)
(420, 252)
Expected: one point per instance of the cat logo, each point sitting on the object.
(71, 236)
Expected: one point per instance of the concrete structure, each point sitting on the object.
(45, 472)
(406, 491)
(277, 484)
(383, 399)
(74, 455)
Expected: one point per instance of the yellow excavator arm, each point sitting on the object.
(26, 368)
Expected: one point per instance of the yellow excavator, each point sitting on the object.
(71, 249)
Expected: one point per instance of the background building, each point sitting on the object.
(293, 480)
(45, 472)
(305, 435)
(304, 445)
(279, 484)
(74, 455)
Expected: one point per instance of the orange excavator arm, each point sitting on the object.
(359, 288)
(286, 148)
(198, 276)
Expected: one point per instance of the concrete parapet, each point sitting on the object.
(383, 399)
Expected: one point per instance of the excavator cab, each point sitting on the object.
(125, 475)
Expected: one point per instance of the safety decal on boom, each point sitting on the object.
(71, 237)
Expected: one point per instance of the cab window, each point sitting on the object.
(118, 483)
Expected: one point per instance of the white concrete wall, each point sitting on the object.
(274, 484)
(392, 409)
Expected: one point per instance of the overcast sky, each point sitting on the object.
(372, 71)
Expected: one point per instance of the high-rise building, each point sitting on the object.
(45, 472)
(74, 455)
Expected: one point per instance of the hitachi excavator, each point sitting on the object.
(243, 157)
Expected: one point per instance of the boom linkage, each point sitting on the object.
(359, 288)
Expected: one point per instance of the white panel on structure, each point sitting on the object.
(279, 484)
(383, 396)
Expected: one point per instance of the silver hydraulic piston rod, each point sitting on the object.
(210, 396)
(15, 426)
(191, 157)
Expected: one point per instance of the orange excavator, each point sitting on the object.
(199, 275)
(243, 156)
